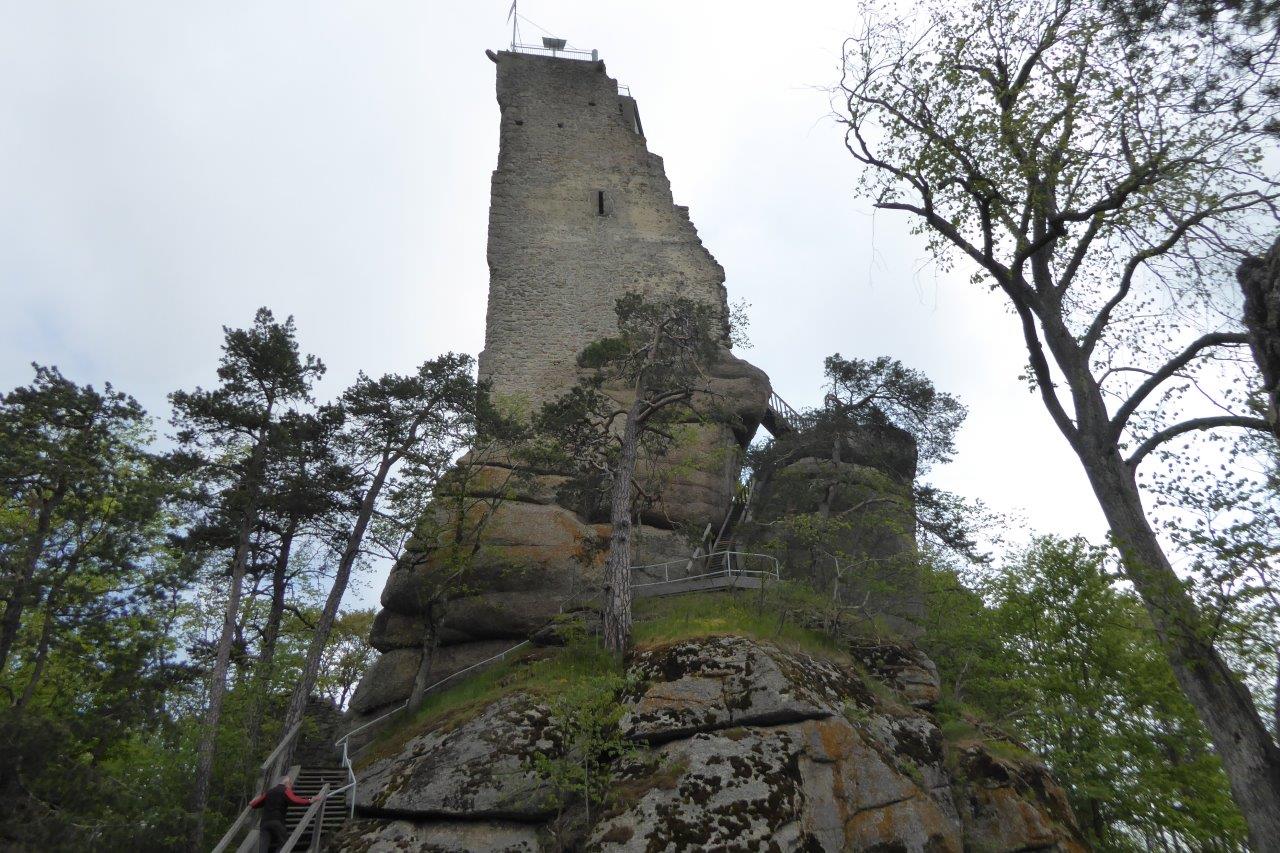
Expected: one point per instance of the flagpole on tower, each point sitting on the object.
(514, 17)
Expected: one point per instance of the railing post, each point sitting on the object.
(319, 828)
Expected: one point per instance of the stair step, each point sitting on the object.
(307, 782)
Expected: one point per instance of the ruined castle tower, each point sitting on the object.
(581, 213)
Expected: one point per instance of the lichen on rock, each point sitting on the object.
(744, 745)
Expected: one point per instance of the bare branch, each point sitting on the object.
(1170, 368)
(1194, 425)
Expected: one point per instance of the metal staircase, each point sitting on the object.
(779, 417)
(308, 827)
(308, 783)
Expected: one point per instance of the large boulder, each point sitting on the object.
(872, 524)
(390, 680)
(741, 745)
(399, 836)
(816, 785)
(476, 770)
(536, 560)
(722, 682)
(696, 480)
(902, 665)
(525, 547)
(542, 547)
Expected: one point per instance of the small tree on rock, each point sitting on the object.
(627, 403)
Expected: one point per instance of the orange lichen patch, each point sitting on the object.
(915, 823)
(836, 737)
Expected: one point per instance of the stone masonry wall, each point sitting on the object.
(557, 265)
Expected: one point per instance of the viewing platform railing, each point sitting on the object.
(568, 52)
(717, 564)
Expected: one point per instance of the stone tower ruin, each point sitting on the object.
(581, 213)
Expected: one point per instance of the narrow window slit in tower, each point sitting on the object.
(600, 202)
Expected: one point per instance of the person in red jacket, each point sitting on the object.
(274, 802)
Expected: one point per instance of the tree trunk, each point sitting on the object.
(12, 622)
(270, 638)
(42, 647)
(617, 570)
(315, 650)
(429, 643)
(218, 678)
(1275, 696)
(1249, 756)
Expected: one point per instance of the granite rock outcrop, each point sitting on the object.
(743, 745)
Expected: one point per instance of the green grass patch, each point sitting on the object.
(1010, 751)
(960, 731)
(680, 617)
(541, 672)
(959, 724)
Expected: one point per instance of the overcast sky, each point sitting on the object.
(166, 168)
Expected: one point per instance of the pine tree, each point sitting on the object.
(234, 430)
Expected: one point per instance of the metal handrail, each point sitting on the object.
(271, 766)
(556, 51)
(783, 408)
(729, 558)
(741, 500)
(317, 805)
(233, 831)
(345, 740)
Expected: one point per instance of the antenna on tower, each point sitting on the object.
(514, 17)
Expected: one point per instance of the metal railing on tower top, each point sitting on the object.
(542, 50)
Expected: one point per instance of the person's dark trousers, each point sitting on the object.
(270, 836)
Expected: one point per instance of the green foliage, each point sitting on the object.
(891, 422)
(85, 657)
(1066, 659)
(584, 718)
(544, 672)
(602, 353)
(114, 567)
(660, 358)
(1104, 183)
(773, 615)
(884, 391)
(613, 429)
